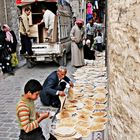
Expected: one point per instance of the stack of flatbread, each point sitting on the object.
(98, 114)
(97, 127)
(69, 122)
(83, 131)
(63, 114)
(65, 131)
(100, 90)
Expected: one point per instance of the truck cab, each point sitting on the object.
(56, 49)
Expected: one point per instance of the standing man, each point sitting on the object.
(53, 87)
(77, 34)
(73, 20)
(48, 19)
(25, 32)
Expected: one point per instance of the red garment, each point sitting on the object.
(79, 21)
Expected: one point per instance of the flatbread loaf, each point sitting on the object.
(65, 131)
(85, 111)
(100, 107)
(99, 114)
(101, 120)
(83, 117)
(97, 127)
(63, 114)
(88, 101)
(101, 100)
(89, 107)
(71, 107)
(69, 122)
(77, 95)
(83, 124)
(100, 90)
(83, 131)
(73, 101)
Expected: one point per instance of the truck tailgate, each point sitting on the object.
(46, 48)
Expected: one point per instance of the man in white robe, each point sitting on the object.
(77, 34)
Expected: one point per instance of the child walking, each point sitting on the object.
(28, 118)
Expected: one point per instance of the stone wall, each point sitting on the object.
(2, 12)
(9, 10)
(124, 69)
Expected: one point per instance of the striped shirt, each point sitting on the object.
(26, 115)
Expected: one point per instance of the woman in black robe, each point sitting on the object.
(5, 54)
(88, 53)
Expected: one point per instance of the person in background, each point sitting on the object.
(54, 86)
(26, 45)
(98, 40)
(88, 53)
(90, 31)
(48, 20)
(27, 116)
(77, 34)
(11, 40)
(73, 20)
(5, 53)
(1, 36)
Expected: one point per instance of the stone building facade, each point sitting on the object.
(124, 69)
(9, 14)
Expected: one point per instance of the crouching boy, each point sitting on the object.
(27, 117)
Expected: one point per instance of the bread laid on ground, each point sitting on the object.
(99, 114)
(65, 131)
(97, 127)
(83, 131)
(69, 122)
(101, 120)
(63, 114)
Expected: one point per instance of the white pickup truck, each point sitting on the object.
(57, 49)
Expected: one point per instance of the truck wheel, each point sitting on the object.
(63, 60)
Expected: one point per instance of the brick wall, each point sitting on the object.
(124, 68)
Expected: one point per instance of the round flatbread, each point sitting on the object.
(65, 131)
(100, 95)
(83, 131)
(69, 122)
(99, 114)
(78, 95)
(63, 114)
(100, 107)
(83, 117)
(88, 101)
(89, 107)
(101, 120)
(73, 101)
(100, 90)
(101, 100)
(85, 111)
(97, 127)
(71, 107)
(83, 124)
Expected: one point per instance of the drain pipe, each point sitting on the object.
(5, 11)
